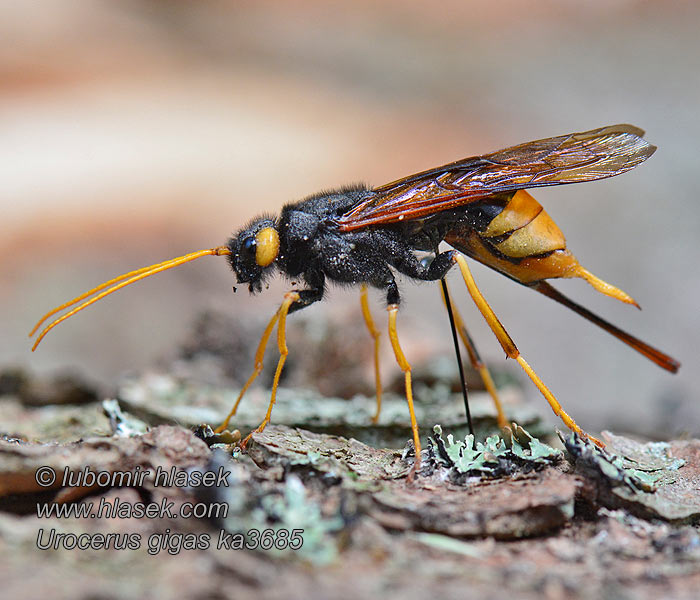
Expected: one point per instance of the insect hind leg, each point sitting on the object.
(512, 351)
(433, 270)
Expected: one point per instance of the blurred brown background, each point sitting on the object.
(135, 131)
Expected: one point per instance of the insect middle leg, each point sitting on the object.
(374, 332)
(476, 362)
(511, 349)
(406, 368)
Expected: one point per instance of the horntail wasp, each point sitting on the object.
(361, 235)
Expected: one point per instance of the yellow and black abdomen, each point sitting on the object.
(513, 234)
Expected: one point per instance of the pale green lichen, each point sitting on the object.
(496, 454)
(123, 424)
(295, 511)
(260, 518)
(448, 544)
(642, 467)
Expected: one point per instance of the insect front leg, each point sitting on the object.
(281, 317)
(511, 349)
(259, 356)
(306, 298)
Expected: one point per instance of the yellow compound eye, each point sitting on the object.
(267, 246)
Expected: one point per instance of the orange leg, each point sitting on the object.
(406, 368)
(259, 356)
(478, 364)
(512, 351)
(374, 332)
(281, 318)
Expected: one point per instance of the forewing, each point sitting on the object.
(571, 158)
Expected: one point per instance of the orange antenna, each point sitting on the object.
(118, 283)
